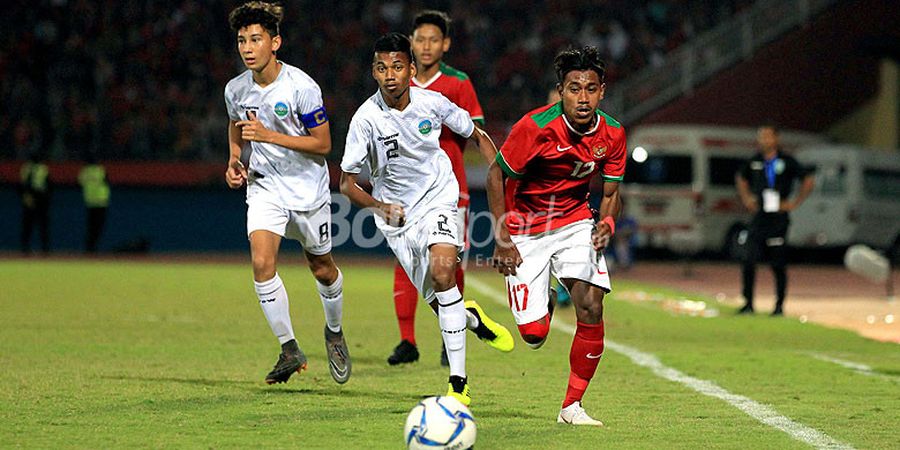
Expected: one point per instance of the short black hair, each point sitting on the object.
(394, 42)
(770, 124)
(439, 19)
(585, 58)
(267, 15)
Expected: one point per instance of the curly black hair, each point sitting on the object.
(267, 15)
(585, 58)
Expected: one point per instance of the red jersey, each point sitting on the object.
(550, 166)
(456, 86)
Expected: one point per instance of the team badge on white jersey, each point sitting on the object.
(291, 105)
(403, 152)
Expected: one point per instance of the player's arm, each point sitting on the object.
(468, 101)
(391, 213)
(509, 162)
(743, 188)
(485, 144)
(806, 187)
(611, 202)
(235, 173)
(359, 138)
(495, 175)
(807, 183)
(317, 143)
(506, 255)
(610, 207)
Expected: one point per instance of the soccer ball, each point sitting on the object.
(439, 423)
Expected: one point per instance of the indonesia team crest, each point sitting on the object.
(599, 152)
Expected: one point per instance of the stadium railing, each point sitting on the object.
(707, 54)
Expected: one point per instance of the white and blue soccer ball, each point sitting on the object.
(439, 423)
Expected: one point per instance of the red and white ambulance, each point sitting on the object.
(679, 183)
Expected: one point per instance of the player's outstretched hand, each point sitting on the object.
(392, 214)
(253, 129)
(600, 236)
(235, 174)
(506, 257)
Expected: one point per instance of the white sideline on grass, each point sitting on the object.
(758, 411)
(854, 366)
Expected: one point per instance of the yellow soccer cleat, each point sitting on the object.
(493, 333)
(458, 388)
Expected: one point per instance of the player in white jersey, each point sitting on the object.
(276, 110)
(415, 193)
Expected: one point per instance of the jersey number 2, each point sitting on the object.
(442, 224)
(392, 148)
(583, 169)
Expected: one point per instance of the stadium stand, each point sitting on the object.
(143, 80)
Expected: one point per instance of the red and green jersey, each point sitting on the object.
(456, 86)
(550, 166)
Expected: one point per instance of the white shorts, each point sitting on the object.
(412, 246)
(311, 228)
(462, 223)
(565, 253)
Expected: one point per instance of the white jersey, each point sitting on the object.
(401, 148)
(289, 105)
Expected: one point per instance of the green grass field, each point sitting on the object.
(116, 354)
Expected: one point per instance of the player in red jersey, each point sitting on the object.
(544, 224)
(430, 40)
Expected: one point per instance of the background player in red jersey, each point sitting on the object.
(544, 223)
(430, 40)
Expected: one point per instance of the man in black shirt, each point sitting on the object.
(765, 183)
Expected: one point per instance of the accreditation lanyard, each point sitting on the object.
(769, 166)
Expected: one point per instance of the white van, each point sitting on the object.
(856, 199)
(679, 183)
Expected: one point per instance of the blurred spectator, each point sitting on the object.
(553, 95)
(625, 240)
(138, 79)
(35, 192)
(95, 190)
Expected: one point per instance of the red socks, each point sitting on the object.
(405, 299)
(583, 359)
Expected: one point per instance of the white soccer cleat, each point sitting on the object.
(574, 414)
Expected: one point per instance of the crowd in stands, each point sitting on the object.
(143, 80)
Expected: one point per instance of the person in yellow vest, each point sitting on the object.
(95, 189)
(35, 194)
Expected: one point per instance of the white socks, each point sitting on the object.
(274, 302)
(452, 318)
(333, 302)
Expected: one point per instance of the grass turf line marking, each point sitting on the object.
(854, 366)
(758, 411)
(861, 368)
